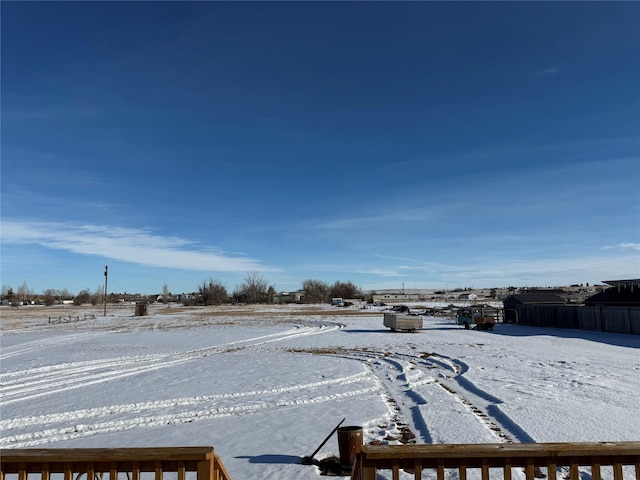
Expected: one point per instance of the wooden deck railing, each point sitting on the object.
(536, 459)
(174, 463)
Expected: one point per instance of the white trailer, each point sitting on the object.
(403, 323)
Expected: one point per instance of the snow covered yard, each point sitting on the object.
(265, 385)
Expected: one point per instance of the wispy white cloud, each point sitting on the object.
(418, 265)
(48, 113)
(548, 72)
(545, 271)
(127, 245)
(381, 272)
(624, 245)
(491, 267)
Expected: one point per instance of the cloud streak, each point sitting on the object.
(548, 72)
(127, 245)
(624, 245)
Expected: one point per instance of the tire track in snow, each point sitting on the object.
(60, 381)
(150, 414)
(482, 405)
(170, 403)
(403, 376)
(404, 399)
(396, 375)
(28, 347)
(24, 385)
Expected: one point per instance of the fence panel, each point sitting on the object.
(546, 316)
(634, 320)
(589, 318)
(566, 317)
(615, 320)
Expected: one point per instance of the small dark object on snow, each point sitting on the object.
(484, 326)
(400, 308)
(538, 473)
(331, 467)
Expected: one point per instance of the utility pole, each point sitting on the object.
(106, 269)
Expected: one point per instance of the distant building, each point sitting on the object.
(288, 297)
(621, 293)
(468, 296)
(536, 297)
(396, 297)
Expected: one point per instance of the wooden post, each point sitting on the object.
(106, 269)
(507, 469)
(551, 469)
(205, 468)
(440, 470)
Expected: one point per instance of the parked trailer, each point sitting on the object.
(402, 323)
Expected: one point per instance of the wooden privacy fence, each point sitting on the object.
(174, 463)
(601, 318)
(496, 461)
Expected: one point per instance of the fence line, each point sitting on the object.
(600, 318)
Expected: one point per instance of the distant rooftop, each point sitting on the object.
(623, 283)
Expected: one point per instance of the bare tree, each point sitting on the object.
(166, 296)
(23, 292)
(271, 292)
(83, 296)
(49, 296)
(97, 298)
(213, 292)
(254, 289)
(315, 291)
(345, 290)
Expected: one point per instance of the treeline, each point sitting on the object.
(254, 289)
(26, 296)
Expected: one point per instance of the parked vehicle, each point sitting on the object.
(477, 317)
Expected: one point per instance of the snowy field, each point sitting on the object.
(265, 385)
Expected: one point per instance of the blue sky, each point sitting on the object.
(424, 144)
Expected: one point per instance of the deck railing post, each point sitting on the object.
(462, 470)
(551, 469)
(205, 469)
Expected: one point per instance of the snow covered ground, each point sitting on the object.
(265, 385)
